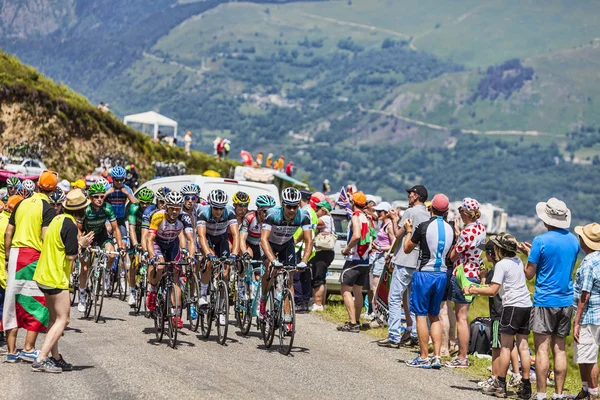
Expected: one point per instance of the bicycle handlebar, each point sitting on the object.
(102, 251)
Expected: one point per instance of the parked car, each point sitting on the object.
(26, 167)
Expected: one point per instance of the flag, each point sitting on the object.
(344, 202)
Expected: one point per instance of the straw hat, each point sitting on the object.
(590, 234)
(76, 200)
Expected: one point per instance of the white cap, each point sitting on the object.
(383, 206)
(65, 186)
(371, 198)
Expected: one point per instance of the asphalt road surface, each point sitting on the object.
(120, 359)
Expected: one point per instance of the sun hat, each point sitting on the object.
(48, 180)
(371, 199)
(554, 212)
(64, 185)
(505, 241)
(590, 234)
(13, 201)
(420, 190)
(359, 199)
(324, 204)
(469, 204)
(76, 200)
(440, 202)
(383, 206)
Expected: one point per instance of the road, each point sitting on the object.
(119, 359)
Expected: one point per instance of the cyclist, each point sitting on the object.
(241, 200)
(27, 188)
(135, 218)
(13, 185)
(214, 222)
(168, 229)
(94, 220)
(277, 241)
(103, 181)
(56, 199)
(252, 225)
(161, 203)
(200, 201)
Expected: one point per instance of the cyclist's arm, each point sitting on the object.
(235, 234)
(8, 235)
(308, 244)
(132, 219)
(144, 239)
(243, 246)
(188, 233)
(151, 237)
(129, 193)
(265, 234)
(206, 250)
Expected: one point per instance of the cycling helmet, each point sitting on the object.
(174, 199)
(291, 196)
(103, 182)
(12, 182)
(218, 198)
(57, 197)
(197, 187)
(28, 187)
(241, 198)
(145, 195)
(188, 190)
(96, 188)
(118, 172)
(161, 193)
(264, 201)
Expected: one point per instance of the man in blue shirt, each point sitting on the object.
(551, 261)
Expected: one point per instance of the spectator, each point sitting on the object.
(383, 243)
(59, 251)
(259, 160)
(187, 141)
(404, 267)
(370, 210)
(356, 268)
(23, 243)
(467, 255)
(551, 260)
(226, 147)
(302, 281)
(586, 299)
(509, 280)
(324, 255)
(326, 187)
(289, 169)
(269, 163)
(435, 238)
(216, 143)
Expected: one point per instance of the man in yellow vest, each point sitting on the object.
(24, 304)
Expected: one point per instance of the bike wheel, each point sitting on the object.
(206, 316)
(139, 297)
(171, 312)
(110, 287)
(74, 288)
(122, 288)
(243, 311)
(89, 299)
(192, 289)
(98, 293)
(268, 326)
(286, 332)
(222, 312)
(159, 315)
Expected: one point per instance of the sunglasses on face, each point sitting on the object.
(172, 209)
(291, 207)
(98, 197)
(242, 205)
(118, 180)
(143, 203)
(188, 198)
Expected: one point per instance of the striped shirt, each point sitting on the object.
(435, 238)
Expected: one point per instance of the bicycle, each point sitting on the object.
(218, 302)
(245, 306)
(117, 278)
(276, 317)
(74, 282)
(167, 306)
(141, 282)
(190, 294)
(96, 279)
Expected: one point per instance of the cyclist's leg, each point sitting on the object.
(222, 247)
(205, 275)
(84, 263)
(173, 254)
(287, 256)
(155, 272)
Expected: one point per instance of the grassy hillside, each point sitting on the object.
(72, 131)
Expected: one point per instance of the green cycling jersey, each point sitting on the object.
(135, 218)
(95, 220)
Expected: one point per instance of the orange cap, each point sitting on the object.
(13, 201)
(48, 181)
(359, 199)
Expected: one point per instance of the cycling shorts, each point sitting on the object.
(256, 251)
(102, 239)
(285, 253)
(219, 243)
(169, 253)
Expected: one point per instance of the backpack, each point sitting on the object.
(480, 340)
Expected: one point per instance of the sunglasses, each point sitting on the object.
(242, 205)
(291, 207)
(192, 198)
(172, 208)
(119, 180)
(98, 196)
(143, 203)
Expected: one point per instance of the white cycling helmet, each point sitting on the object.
(218, 198)
(290, 196)
(174, 199)
(103, 182)
(188, 190)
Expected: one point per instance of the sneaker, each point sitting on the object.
(202, 301)
(367, 316)
(419, 362)
(222, 321)
(405, 336)
(151, 301)
(122, 283)
(388, 343)
(288, 329)
(316, 308)
(515, 380)
(489, 381)
(349, 327)
(412, 342)
(178, 322)
(46, 366)
(193, 313)
(81, 307)
(131, 300)
(436, 362)
(457, 363)
(262, 309)
(583, 394)
(29, 356)
(12, 358)
(524, 392)
(492, 388)
(61, 363)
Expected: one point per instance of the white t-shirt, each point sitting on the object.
(509, 274)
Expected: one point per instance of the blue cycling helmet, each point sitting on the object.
(264, 201)
(118, 173)
(197, 187)
(57, 197)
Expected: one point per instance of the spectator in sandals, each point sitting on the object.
(586, 327)
(382, 244)
(323, 256)
(466, 254)
(551, 261)
(509, 280)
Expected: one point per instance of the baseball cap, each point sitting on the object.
(440, 202)
(383, 206)
(359, 199)
(324, 204)
(420, 190)
(48, 180)
(371, 199)
(305, 194)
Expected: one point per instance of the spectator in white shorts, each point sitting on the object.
(586, 298)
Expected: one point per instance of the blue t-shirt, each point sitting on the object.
(555, 253)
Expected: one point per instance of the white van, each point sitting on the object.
(207, 184)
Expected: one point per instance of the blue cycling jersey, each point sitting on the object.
(117, 200)
(282, 231)
(216, 227)
(147, 216)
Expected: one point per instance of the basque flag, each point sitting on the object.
(344, 202)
